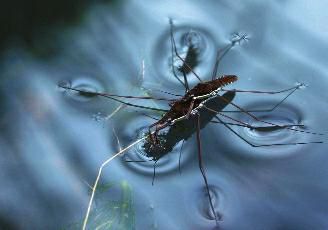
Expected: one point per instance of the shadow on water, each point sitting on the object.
(52, 145)
(184, 129)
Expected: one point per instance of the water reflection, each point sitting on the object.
(204, 47)
(51, 147)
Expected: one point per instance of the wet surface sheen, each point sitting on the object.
(53, 140)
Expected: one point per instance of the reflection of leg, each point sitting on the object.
(274, 144)
(173, 48)
(185, 81)
(154, 172)
(177, 54)
(180, 155)
(259, 120)
(200, 161)
(271, 126)
(115, 97)
(246, 125)
(293, 89)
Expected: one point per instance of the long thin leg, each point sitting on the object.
(265, 92)
(136, 161)
(219, 58)
(118, 100)
(200, 164)
(85, 221)
(266, 145)
(272, 125)
(259, 128)
(151, 117)
(169, 93)
(180, 155)
(257, 119)
(185, 81)
(190, 108)
(154, 173)
(222, 52)
(229, 123)
(108, 95)
(177, 54)
(293, 89)
(173, 48)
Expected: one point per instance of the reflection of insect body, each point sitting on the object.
(193, 111)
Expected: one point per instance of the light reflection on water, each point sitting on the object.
(52, 147)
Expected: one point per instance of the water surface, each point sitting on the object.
(54, 141)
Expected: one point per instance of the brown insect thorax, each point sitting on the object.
(181, 107)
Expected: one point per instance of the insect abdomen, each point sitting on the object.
(225, 80)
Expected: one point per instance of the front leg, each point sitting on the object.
(153, 135)
(190, 109)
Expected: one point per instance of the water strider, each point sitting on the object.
(191, 112)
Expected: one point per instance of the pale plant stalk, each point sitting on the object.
(120, 107)
(85, 221)
(117, 140)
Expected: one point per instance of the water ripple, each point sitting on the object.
(88, 85)
(204, 46)
(270, 128)
(204, 207)
(135, 127)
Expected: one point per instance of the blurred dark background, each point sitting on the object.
(30, 23)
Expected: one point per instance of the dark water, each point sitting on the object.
(53, 141)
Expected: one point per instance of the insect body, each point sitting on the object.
(181, 117)
(188, 114)
(191, 101)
